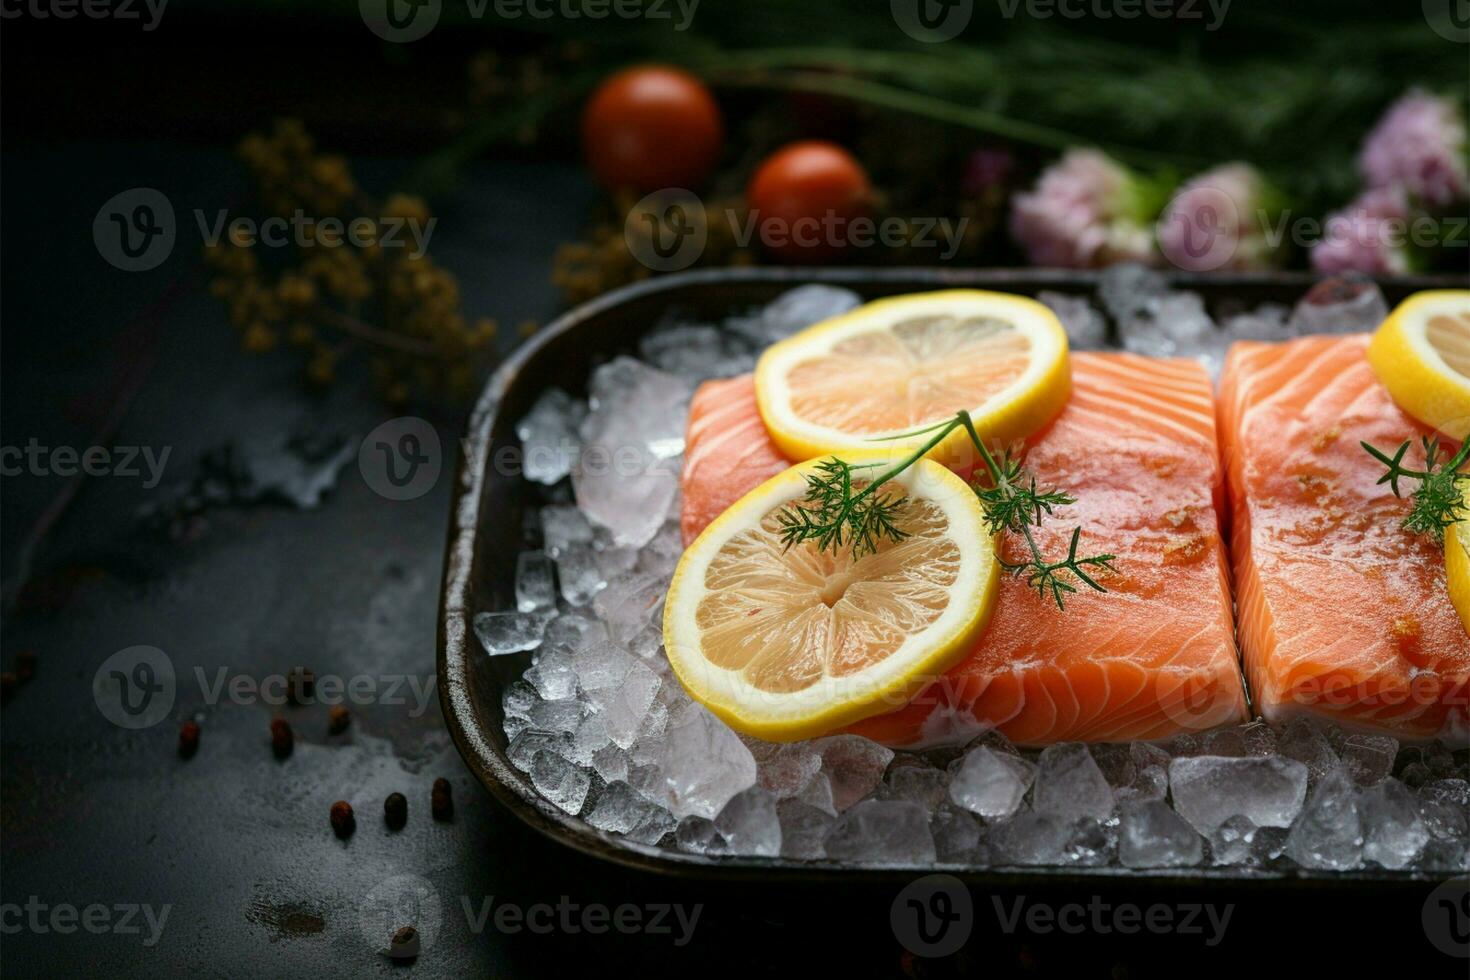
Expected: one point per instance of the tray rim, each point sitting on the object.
(456, 645)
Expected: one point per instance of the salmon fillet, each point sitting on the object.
(1342, 613)
(1154, 657)
(727, 452)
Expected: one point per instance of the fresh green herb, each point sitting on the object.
(1436, 503)
(838, 513)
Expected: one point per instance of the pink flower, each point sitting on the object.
(1082, 214)
(1419, 143)
(1218, 220)
(1368, 236)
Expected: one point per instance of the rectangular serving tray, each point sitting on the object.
(485, 537)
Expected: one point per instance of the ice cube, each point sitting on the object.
(1266, 322)
(632, 440)
(589, 738)
(749, 823)
(581, 579)
(1151, 835)
(1445, 855)
(992, 784)
(510, 632)
(703, 764)
(1393, 834)
(1208, 789)
(1342, 304)
(854, 764)
(1069, 785)
(917, 783)
(518, 699)
(611, 763)
(623, 695)
(563, 526)
(524, 747)
(1329, 832)
(956, 834)
(629, 604)
(1029, 838)
(657, 824)
(695, 352)
(548, 434)
(554, 674)
(803, 828)
(1091, 844)
(794, 310)
(619, 809)
(535, 587)
(1223, 742)
(699, 835)
(1231, 842)
(818, 793)
(787, 771)
(1087, 329)
(558, 716)
(1305, 742)
(559, 781)
(572, 631)
(1259, 738)
(882, 832)
(1368, 758)
(1128, 289)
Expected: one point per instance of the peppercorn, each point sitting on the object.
(25, 665)
(282, 739)
(442, 800)
(405, 945)
(300, 684)
(188, 738)
(337, 719)
(395, 811)
(343, 822)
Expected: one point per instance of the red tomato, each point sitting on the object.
(804, 198)
(652, 127)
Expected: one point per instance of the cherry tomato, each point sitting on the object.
(804, 198)
(652, 127)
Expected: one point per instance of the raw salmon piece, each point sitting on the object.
(1153, 657)
(727, 452)
(1342, 613)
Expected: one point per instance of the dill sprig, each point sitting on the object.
(837, 511)
(1437, 502)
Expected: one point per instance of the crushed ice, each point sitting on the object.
(604, 731)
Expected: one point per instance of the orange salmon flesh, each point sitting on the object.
(1136, 445)
(1342, 613)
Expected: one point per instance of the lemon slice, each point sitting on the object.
(1421, 353)
(1457, 566)
(786, 644)
(899, 364)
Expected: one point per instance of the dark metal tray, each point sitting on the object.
(485, 536)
